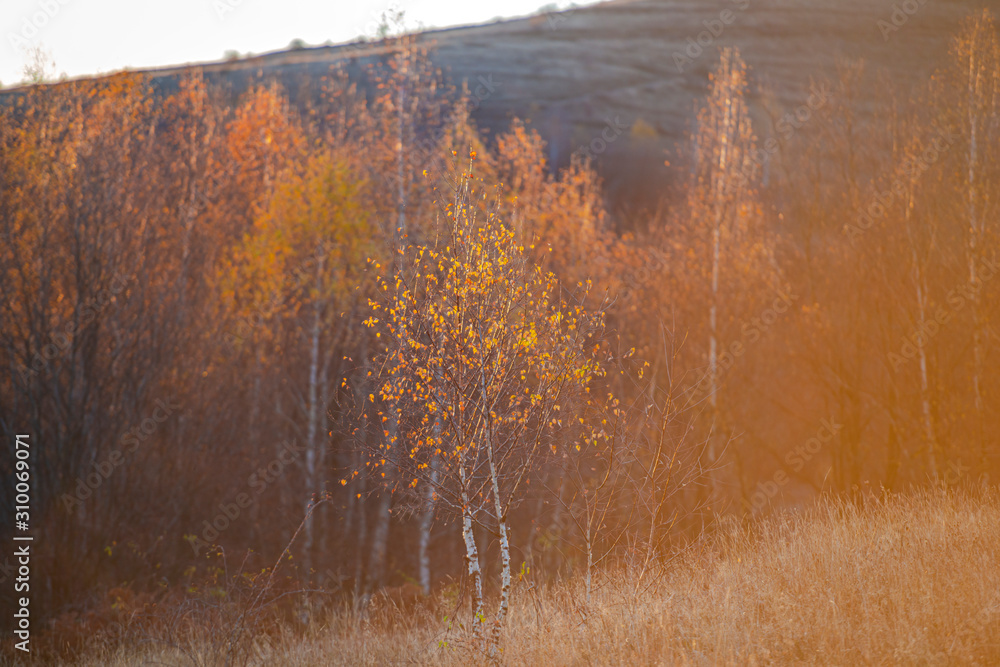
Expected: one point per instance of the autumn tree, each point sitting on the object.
(403, 158)
(561, 214)
(969, 89)
(483, 352)
(299, 269)
(625, 487)
(724, 236)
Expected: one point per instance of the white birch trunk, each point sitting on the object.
(973, 249)
(925, 398)
(312, 428)
(590, 561)
(472, 556)
(719, 186)
(380, 534)
(505, 578)
(713, 362)
(920, 282)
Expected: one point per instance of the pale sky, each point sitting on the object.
(95, 36)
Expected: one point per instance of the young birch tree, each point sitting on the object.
(408, 112)
(921, 241)
(722, 203)
(484, 351)
(971, 91)
(301, 264)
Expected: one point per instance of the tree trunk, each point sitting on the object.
(312, 429)
(713, 362)
(590, 560)
(362, 532)
(973, 252)
(310, 462)
(505, 579)
(380, 533)
(380, 540)
(720, 181)
(472, 556)
(925, 398)
(426, 523)
(920, 282)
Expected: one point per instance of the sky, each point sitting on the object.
(99, 36)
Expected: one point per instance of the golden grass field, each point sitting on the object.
(905, 579)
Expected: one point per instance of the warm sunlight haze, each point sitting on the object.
(639, 332)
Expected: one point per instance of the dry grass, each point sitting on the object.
(906, 580)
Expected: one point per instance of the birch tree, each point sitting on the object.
(723, 210)
(301, 265)
(921, 243)
(484, 351)
(971, 89)
(409, 110)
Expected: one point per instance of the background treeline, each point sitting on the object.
(184, 284)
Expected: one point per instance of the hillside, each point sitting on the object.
(573, 73)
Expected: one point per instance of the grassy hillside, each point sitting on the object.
(627, 64)
(905, 579)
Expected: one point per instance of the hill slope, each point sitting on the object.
(575, 72)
